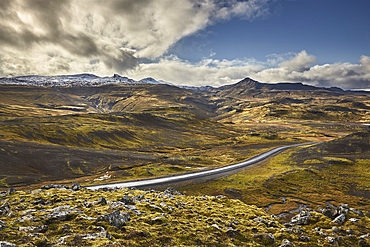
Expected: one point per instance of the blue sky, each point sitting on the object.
(190, 42)
(333, 30)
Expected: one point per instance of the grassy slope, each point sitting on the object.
(334, 171)
(136, 145)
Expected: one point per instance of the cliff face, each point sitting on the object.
(59, 215)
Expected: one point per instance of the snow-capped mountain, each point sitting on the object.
(74, 80)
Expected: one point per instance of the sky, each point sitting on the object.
(190, 42)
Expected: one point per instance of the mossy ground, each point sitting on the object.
(189, 221)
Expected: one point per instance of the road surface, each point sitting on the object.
(217, 172)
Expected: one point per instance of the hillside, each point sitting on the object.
(70, 216)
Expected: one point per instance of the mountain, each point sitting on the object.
(86, 80)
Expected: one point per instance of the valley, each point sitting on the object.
(99, 131)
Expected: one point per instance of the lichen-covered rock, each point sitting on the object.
(5, 209)
(3, 226)
(333, 240)
(304, 238)
(357, 211)
(61, 215)
(301, 218)
(159, 219)
(339, 219)
(286, 243)
(42, 228)
(265, 238)
(101, 201)
(172, 191)
(333, 212)
(6, 244)
(126, 199)
(116, 218)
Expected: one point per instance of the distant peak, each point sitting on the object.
(249, 80)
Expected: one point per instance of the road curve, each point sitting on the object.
(196, 175)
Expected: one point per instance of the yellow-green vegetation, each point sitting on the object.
(123, 217)
(335, 171)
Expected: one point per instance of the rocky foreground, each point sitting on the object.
(57, 215)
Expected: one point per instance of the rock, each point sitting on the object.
(7, 192)
(333, 240)
(156, 207)
(353, 219)
(115, 204)
(259, 220)
(76, 187)
(116, 218)
(22, 200)
(159, 219)
(3, 226)
(333, 212)
(41, 202)
(54, 186)
(4, 209)
(133, 209)
(301, 218)
(6, 244)
(230, 232)
(335, 229)
(340, 219)
(358, 212)
(304, 238)
(266, 238)
(286, 243)
(61, 215)
(172, 191)
(126, 199)
(216, 226)
(292, 230)
(101, 201)
(366, 236)
(42, 228)
(27, 217)
(147, 201)
(138, 198)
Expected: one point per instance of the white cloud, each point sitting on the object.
(296, 69)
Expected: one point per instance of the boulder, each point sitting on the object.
(116, 218)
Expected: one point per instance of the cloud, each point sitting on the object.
(113, 33)
(300, 63)
(292, 68)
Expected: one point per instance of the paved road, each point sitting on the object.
(218, 172)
